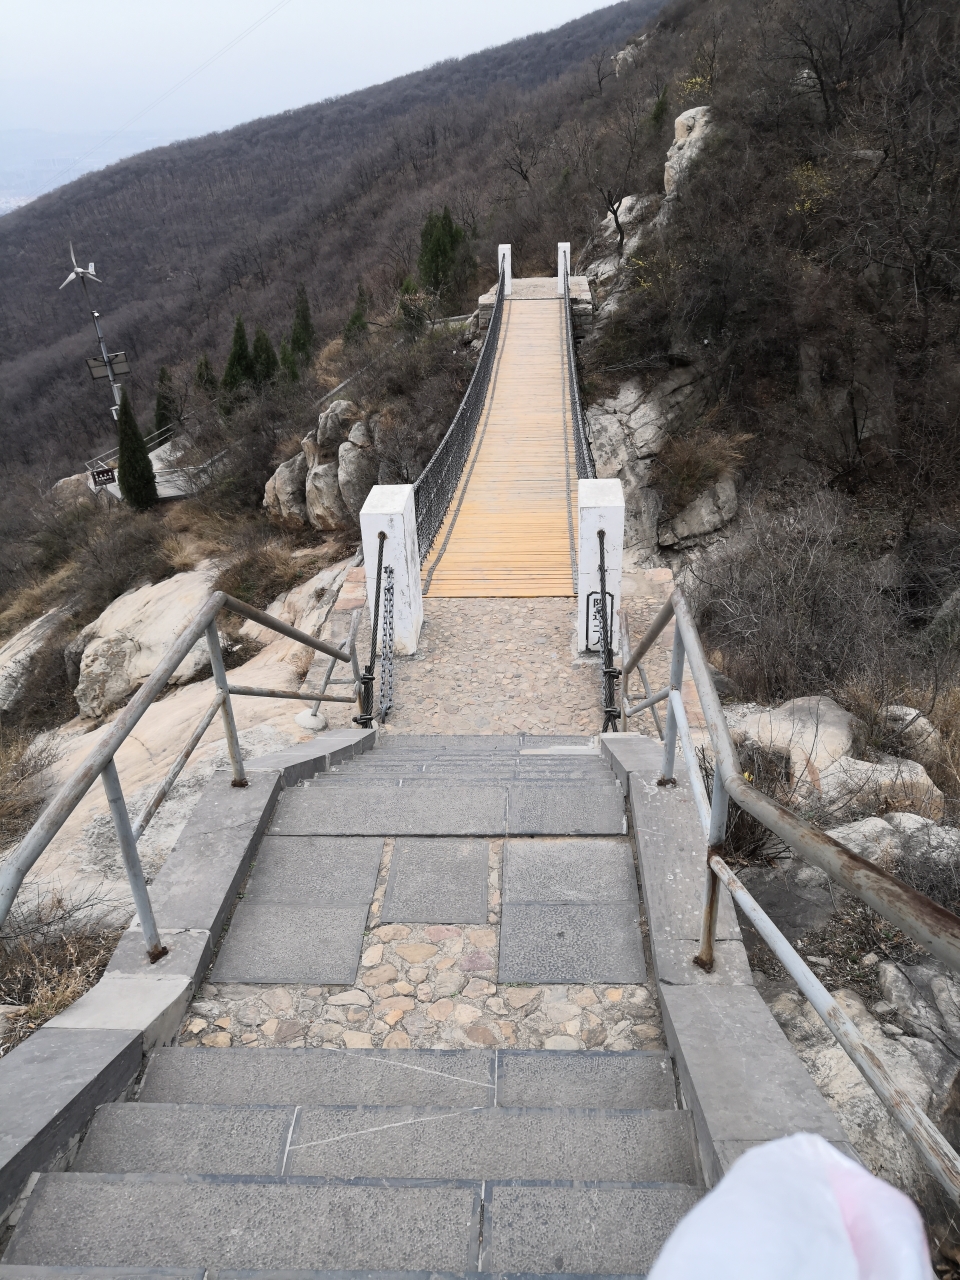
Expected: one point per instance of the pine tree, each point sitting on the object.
(135, 475)
(265, 362)
(205, 379)
(356, 327)
(302, 336)
(288, 361)
(439, 241)
(165, 413)
(239, 363)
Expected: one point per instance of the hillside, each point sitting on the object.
(186, 236)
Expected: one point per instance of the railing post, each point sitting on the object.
(711, 889)
(390, 509)
(229, 724)
(600, 506)
(563, 266)
(503, 265)
(131, 860)
(670, 733)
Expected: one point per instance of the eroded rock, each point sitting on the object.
(690, 132)
(357, 468)
(851, 786)
(918, 737)
(325, 507)
(812, 733)
(285, 492)
(711, 510)
(17, 654)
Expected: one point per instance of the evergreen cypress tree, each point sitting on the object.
(265, 362)
(302, 336)
(135, 475)
(165, 413)
(205, 379)
(288, 361)
(439, 241)
(356, 327)
(239, 363)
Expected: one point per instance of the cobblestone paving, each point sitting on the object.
(483, 666)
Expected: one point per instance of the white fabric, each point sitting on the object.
(796, 1209)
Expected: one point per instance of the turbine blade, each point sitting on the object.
(93, 277)
(73, 258)
(71, 276)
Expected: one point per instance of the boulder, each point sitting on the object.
(690, 131)
(334, 424)
(926, 849)
(17, 654)
(852, 786)
(285, 494)
(357, 468)
(73, 489)
(918, 737)
(811, 732)
(126, 643)
(711, 510)
(871, 838)
(325, 507)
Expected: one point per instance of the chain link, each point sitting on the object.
(585, 467)
(386, 648)
(608, 672)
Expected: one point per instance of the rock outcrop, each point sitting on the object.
(809, 733)
(17, 654)
(326, 509)
(917, 736)
(864, 786)
(691, 130)
(357, 468)
(285, 491)
(707, 513)
(125, 644)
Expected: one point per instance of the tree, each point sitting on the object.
(165, 413)
(135, 475)
(439, 241)
(288, 361)
(239, 362)
(356, 326)
(204, 379)
(302, 335)
(265, 362)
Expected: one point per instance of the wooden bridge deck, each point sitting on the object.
(510, 529)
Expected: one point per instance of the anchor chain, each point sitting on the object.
(609, 674)
(365, 718)
(386, 647)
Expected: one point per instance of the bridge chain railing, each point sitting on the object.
(382, 597)
(581, 445)
(932, 926)
(434, 490)
(101, 761)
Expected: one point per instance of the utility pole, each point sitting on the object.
(106, 366)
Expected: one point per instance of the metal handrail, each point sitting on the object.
(932, 926)
(586, 470)
(433, 491)
(100, 763)
(109, 456)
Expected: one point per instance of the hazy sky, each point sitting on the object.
(92, 65)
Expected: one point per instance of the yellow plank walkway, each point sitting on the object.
(510, 527)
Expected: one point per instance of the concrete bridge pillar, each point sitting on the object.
(563, 263)
(389, 509)
(503, 261)
(600, 505)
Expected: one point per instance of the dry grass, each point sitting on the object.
(22, 763)
(41, 976)
(34, 600)
(689, 464)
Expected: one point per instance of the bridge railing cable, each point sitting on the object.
(932, 926)
(434, 490)
(581, 445)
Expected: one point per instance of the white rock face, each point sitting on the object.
(918, 736)
(285, 494)
(357, 468)
(17, 654)
(850, 785)
(812, 733)
(871, 838)
(73, 489)
(626, 432)
(709, 511)
(325, 507)
(335, 423)
(690, 131)
(125, 644)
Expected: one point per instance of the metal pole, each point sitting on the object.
(711, 889)
(670, 734)
(114, 384)
(131, 860)
(229, 724)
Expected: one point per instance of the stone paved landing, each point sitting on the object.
(441, 881)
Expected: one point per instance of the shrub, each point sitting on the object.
(690, 463)
(135, 475)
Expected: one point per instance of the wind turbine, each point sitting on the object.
(111, 366)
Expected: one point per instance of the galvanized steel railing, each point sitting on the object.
(434, 490)
(585, 465)
(933, 927)
(100, 763)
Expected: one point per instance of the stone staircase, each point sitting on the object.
(440, 1161)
